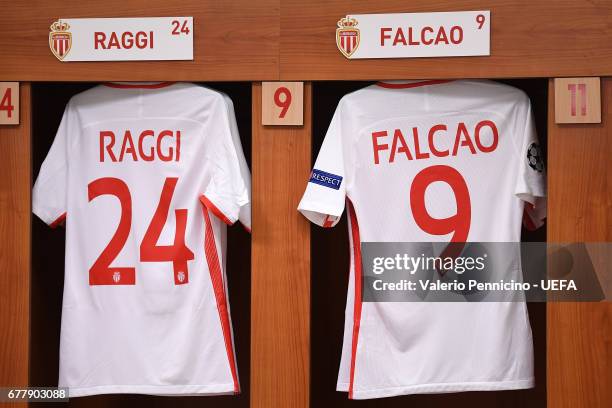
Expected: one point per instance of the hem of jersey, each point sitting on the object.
(210, 204)
(435, 388)
(168, 390)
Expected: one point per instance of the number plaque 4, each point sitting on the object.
(577, 100)
(282, 103)
(9, 103)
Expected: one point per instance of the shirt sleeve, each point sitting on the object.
(226, 192)
(531, 181)
(324, 199)
(50, 189)
(245, 211)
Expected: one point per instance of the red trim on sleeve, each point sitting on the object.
(216, 277)
(328, 223)
(527, 220)
(357, 300)
(218, 213)
(59, 221)
(138, 86)
(412, 84)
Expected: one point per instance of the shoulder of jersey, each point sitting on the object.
(461, 88)
(225, 96)
(453, 85)
(103, 94)
(96, 91)
(489, 88)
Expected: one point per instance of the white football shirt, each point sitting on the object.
(430, 161)
(146, 177)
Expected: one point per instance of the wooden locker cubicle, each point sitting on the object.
(579, 209)
(294, 40)
(15, 209)
(233, 41)
(280, 344)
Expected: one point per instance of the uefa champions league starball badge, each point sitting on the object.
(534, 157)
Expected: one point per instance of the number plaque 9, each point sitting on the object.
(282, 103)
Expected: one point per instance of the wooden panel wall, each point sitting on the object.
(294, 40)
(280, 281)
(580, 208)
(529, 38)
(15, 217)
(234, 41)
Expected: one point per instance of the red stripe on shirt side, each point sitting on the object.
(216, 277)
(59, 221)
(138, 86)
(357, 300)
(218, 213)
(412, 84)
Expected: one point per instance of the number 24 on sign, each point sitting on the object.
(9, 103)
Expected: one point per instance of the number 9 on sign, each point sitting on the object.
(282, 103)
(285, 103)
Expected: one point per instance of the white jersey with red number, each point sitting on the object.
(427, 162)
(146, 176)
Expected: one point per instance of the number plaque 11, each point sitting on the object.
(577, 100)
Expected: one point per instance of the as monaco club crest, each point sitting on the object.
(60, 39)
(347, 36)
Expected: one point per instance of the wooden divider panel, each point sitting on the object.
(280, 288)
(579, 209)
(15, 218)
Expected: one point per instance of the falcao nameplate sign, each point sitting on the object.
(122, 39)
(414, 35)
